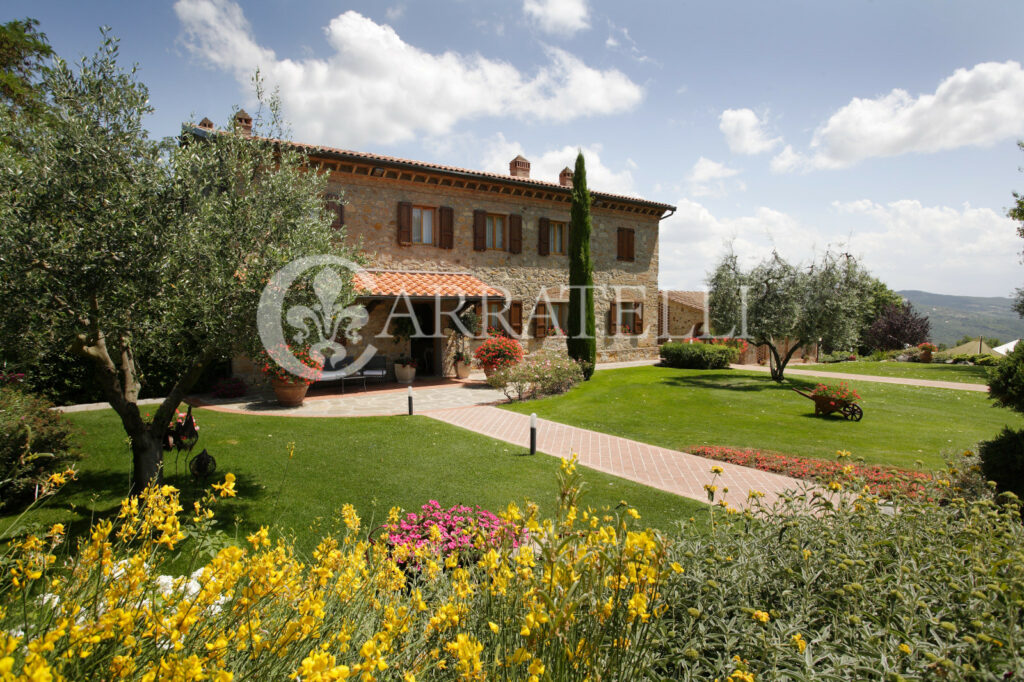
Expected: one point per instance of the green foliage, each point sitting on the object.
(23, 50)
(824, 300)
(35, 442)
(1002, 461)
(807, 590)
(540, 374)
(121, 248)
(1016, 212)
(990, 341)
(1006, 380)
(581, 336)
(697, 355)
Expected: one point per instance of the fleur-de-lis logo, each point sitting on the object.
(327, 320)
(327, 316)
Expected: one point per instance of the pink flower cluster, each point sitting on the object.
(458, 529)
(842, 392)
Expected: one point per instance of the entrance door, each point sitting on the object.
(424, 350)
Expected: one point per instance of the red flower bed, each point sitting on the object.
(881, 481)
(841, 392)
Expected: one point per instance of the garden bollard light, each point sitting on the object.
(533, 433)
(410, 400)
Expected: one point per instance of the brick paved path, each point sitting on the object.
(675, 472)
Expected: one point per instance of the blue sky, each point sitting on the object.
(889, 128)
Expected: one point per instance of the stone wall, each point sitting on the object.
(681, 321)
(371, 210)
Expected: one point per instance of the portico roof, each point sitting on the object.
(419, 284)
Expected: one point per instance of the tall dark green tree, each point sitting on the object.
(581, 340)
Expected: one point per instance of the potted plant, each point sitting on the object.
(497, 353)
(289, 388)
(469, 322)
(926, 351)
(405, 369)
(463, 363)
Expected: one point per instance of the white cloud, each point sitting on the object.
(973, 107)
(966, 251)
(969, 251)
(377, 88)
(395, 12)
(547, 165)
(745, 132)
(708, 178)
(563, 17)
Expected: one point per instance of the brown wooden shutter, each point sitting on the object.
(479, 230)
(620, 245)
(630, 244)
(515, 234)
(540, 324)
(446, 218)
(543, 236)
(638, 320)
(613, 319)
(515, 314)
(404, 222)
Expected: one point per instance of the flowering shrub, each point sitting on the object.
(311, 369)
(540, 374)
(927, 347)
(841, 392)
(11, 377)
(35, 442)
(881, 481)
(581, 599)
(498, 352)
(443, 532)
(229, 387)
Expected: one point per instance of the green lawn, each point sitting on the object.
(965, 374)
(373, 463)
(678, 408)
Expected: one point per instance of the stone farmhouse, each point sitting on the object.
(449, 238)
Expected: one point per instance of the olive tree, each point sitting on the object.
(117, 246)
(777, 303)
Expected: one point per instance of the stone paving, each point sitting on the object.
(670, 470)
(372, 403)
(926, 383)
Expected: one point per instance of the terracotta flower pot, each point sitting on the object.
(289, 393)
(405, 374)
(462, 370)
(926, 356)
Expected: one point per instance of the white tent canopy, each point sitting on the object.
(1006, 348)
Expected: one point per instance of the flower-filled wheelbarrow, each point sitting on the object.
(829, 399)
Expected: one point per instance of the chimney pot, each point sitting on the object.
(565, 177)
(243, 122)
(206, 124)
(519, 167)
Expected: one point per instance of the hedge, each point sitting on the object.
(697, 355)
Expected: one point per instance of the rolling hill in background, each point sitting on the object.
(954, 317)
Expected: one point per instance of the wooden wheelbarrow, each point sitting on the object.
(824, 405)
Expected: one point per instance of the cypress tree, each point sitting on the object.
(581, 339)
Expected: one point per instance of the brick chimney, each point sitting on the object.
(243, 122)
(565, 177)
(519, 167)
(206, 124)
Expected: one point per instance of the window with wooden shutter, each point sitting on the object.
(336, 209)
(625, 244)
(404, 222)
(515, 234)
(479, 230)
(446, 220)
(515, 314)
(613, 319)
(543, 246)
(540, 324)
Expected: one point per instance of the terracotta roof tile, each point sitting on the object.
(397, 283)
(690, 299)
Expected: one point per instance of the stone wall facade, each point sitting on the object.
(371, 225)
